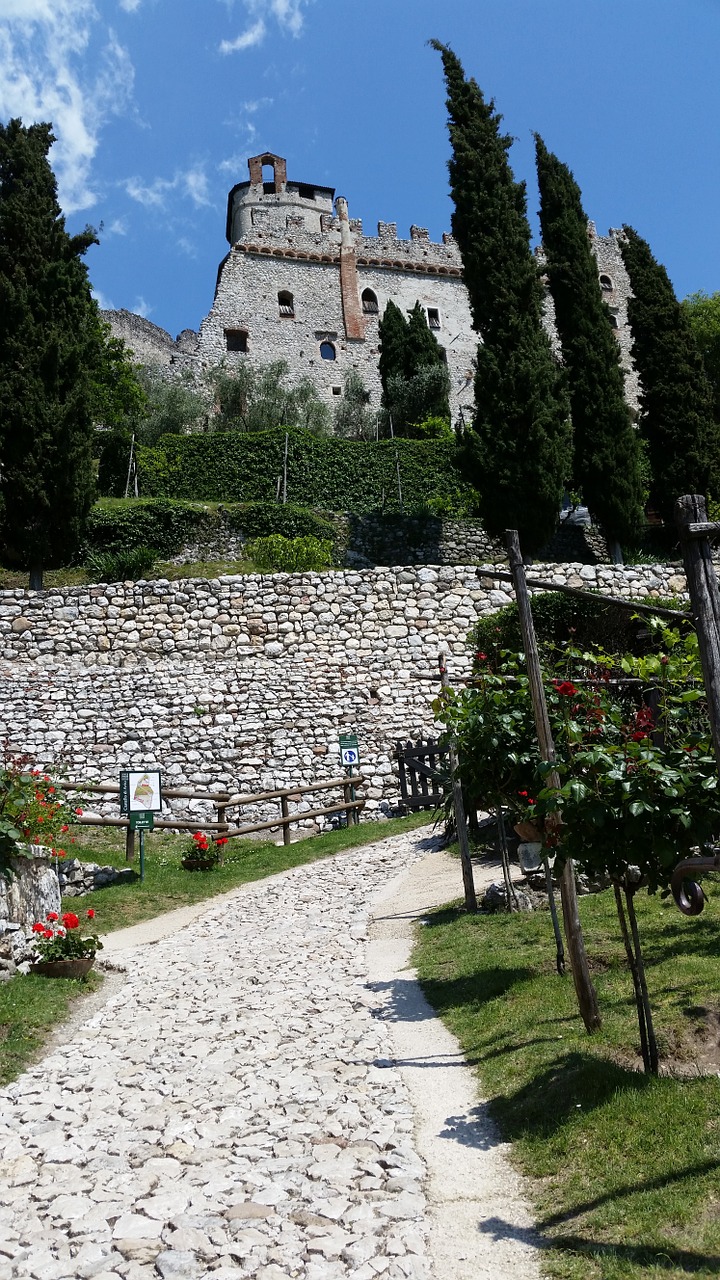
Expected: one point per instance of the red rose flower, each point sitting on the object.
(79, 812)
(565, 688)
(481, 657)
(70, 920)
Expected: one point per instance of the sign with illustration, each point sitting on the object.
(349, 752)
(140, 791)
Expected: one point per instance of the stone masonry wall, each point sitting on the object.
(247, 681)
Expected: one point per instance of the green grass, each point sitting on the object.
(626, 1168)
(30, 1009)
(167, 886)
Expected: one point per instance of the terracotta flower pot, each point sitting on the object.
(77, 968)
(529, 832)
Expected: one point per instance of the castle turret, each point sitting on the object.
(270, 201)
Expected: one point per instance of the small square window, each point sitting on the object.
(433, 318)
(337, 391)
(236, 340)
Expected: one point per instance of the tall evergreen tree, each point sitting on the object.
(676, 398)
(519, 449)
(49, 349)
(607, 461)
(413, 369)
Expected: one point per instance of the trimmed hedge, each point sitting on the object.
(166, 526)
(325, 472)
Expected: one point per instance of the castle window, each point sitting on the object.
(236, 340)
(286, 304)
(337, 391)
(614, 323)
(369, 302)
(327, 350)
(306, 193)
(606, 284)
(433, 316)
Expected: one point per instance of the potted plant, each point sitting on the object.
(64, 952)
(200, 856)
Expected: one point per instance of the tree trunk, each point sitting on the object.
(615, 550)
(652, 1042)
(36, 578)
(584, 989)
(510, 895)
(635, 976)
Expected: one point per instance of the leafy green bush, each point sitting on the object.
(161, 524)
(333, 474)
(120, 566)
(561, 619)
(289, 555)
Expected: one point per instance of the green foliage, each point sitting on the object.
(676, 399)
(518, 453)
(50, 349)
(33, 809)
(119, 528)
(607, 465)
(114, 466)
(335, 475)
(124, 565)
(62, 939)
(172, 406)
(119, 387)
(252, 397)
(431, 428)
(703, 312)
(353, 419)
(563, 620)
(413, 370)
(276, 554)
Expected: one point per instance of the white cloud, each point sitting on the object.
(118, 227)
(288, 14)
(246, 40)
(191, 182)
(104, 303)
(130, 6)
(142, 308)
(44, 76)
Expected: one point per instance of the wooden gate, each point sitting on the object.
(422, 778)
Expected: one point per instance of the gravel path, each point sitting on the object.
(235, 1108)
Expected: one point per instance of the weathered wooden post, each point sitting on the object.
(460, 820)
(586, 996)
(695, 531)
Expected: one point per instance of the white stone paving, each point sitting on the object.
(232, 1110)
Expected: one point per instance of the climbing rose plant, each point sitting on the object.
(33, 809)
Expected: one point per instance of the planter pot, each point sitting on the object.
(77, 968)
(529, 832)
(199, 864)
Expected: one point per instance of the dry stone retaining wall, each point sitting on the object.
(248, 680)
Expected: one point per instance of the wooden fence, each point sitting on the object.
(224, 800)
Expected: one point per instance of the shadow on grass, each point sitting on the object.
(676, 1260)
(636, 1188)
(552, 1097)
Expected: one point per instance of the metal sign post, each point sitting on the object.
(349, 756)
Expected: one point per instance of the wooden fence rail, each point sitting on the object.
(224, 800)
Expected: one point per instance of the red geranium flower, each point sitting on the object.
(38, 928)
(79, 812)
(47, 934)
(90, 913)
(70, 920)
(222, 840)
(52, 915)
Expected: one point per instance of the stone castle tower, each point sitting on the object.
(303, 283)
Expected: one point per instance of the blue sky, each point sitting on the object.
(158, 103)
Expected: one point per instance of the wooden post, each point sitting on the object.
(129, 844)
(460, 822)
(285, 810)
(584, 989)
(704, 601)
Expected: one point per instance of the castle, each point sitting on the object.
(303, 283)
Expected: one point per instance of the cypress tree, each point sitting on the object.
(413, 369)
(518, 451)
(393, 342)
(676, 398)
(607, 460)
(49, 348)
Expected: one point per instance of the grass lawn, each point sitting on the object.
(30, 1010)
(626, 1168)
(167, 886)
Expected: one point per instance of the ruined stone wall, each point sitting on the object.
(247, 681)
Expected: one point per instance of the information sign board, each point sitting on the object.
(140, 791)
(142, 821)
(349, 751)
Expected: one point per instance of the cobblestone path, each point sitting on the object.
(232, 1109)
